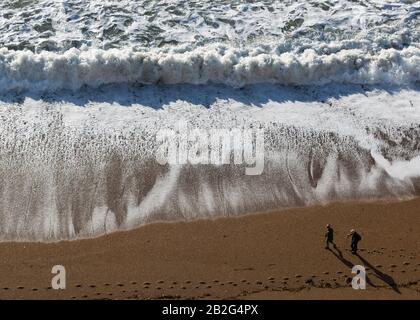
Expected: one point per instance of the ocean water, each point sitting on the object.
(86, 87)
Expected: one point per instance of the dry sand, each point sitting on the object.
(277, 255)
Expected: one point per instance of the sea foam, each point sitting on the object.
(82, 164)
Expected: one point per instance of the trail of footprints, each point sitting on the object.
(146, 289)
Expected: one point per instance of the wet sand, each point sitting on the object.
(278, 255)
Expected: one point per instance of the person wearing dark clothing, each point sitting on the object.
(329, 237)
(355, 238)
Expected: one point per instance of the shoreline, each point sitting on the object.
(276, 255)
(217, 217)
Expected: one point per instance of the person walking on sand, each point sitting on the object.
(355, 238)
(329, 237)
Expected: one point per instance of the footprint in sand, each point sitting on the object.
(5, 288)
(34, 289)
(146, 283)
(216, 281)
(133, 282)
(21, 288)
(243, 280)
(188, 281)
(161, 281)
(106, 284)
(406, 263)
(120, 285)
(202, 282)
(174, 282)
(326, 272)
(271, 278)
(259, 282)
(92, 286)
(78, 285)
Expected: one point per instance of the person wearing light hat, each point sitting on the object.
(329, 237)
(355, 238)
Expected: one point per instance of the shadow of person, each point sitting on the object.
(348, 263)
(379, 274)
(340, 254)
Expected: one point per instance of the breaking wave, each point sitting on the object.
(25, 70)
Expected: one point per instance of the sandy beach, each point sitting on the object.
(278, 255)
